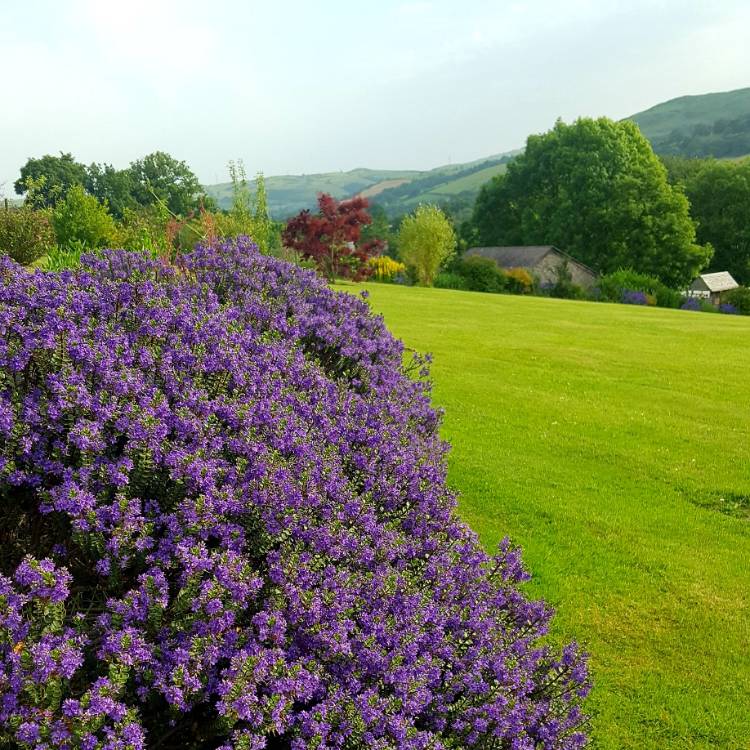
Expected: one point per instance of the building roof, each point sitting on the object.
(523, 256)
(513, 257)
(715, 282)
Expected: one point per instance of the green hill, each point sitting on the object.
(289, 194)
(455, 185)
(397, 191)
(706, 125)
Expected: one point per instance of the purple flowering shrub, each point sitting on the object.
(634, 297)
(691, 303)
(225, 524)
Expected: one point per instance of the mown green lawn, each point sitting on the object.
(612, 443)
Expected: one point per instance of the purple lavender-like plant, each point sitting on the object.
(633, 297)
(225, 525)
(691, 303)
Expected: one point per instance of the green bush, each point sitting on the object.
(81, 218)
(450, 280)
(740, 298)
(481, 274)
(25, 234)
(144, 228)
(666, 297)
(563, 287)
(612, 287)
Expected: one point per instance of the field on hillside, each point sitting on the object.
(288, 194)
(611, 442)
(398, 191)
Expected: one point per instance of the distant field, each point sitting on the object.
(470, 183)
(611, 442)
(288, 194)
(398, 191)
(381, 186)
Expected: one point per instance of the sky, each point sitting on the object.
(293, 87)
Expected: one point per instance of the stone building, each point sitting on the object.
(542, 261)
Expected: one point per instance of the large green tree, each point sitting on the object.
(47, 179)
(161, 177)
(111, 187)
(595, 189)
(719, 196)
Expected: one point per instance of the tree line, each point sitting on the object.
(155, 178)
(594, 188)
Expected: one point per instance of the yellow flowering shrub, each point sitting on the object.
(384, 268)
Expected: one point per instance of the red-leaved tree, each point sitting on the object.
(332, 237)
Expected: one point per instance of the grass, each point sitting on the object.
(611, 442)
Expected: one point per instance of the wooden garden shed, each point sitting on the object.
(712, 286)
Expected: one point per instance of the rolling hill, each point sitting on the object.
(289, 194)
(706, 125)
(397, 191)
(716, 124)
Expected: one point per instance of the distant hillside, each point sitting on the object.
(455, 185)
(397, 191)
(289, 194)
(706, 125)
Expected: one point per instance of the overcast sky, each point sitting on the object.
(301, 87)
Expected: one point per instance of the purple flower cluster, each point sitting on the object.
(691, 303)
(225, 525)
(633, 297)
(728, 309)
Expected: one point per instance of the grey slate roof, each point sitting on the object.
(715, 282)
(519, 256)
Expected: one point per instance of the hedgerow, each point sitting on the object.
(226, 524)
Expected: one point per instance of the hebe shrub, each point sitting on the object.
(25, 234)
(632, 297)
(695, 304)
(225, 525)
